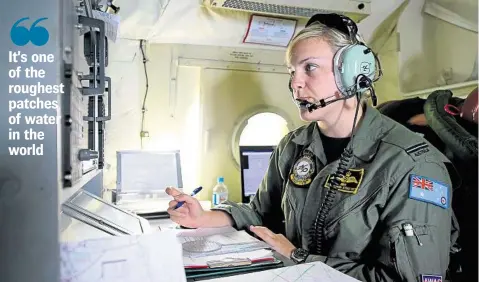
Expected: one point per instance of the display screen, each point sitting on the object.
(254, 164)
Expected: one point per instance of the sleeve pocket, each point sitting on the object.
(414, 251)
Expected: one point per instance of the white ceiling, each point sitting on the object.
(187, 22)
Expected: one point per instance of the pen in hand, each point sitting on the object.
(196, 191)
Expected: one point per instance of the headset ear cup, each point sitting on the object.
(351, 63)
(338, 70)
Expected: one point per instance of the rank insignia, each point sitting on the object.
(303, 170)
(349, 183)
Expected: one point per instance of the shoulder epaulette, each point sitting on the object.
(414, 145)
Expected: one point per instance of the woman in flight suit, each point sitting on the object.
(374, 204)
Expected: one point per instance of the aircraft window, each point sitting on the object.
(263, 129)
(260, 129)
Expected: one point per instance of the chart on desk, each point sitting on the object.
(123, 259)
(200, 245)
(308, 272)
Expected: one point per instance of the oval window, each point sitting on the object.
(261, 129)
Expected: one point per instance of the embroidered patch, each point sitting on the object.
(418, 149)
(427, 190)
(431, 278)
(303, 170)
(349, 183)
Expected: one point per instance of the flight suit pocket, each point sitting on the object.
(413, 250)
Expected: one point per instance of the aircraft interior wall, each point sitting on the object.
(229, 98)
(184, 78)
(434, 52)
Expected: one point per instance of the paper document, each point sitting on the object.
(201, 261)
(148, 258)
(270, 31)
(308, 272)
(217, 241)
(146, 206)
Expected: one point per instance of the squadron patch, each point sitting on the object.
(303, 170)
(349, 183)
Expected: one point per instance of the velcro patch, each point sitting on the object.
(427, 190)
(349, 183)
(431, 278)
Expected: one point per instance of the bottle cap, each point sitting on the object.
(221, 179)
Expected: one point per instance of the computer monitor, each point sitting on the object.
(147, 172)
(254, 161)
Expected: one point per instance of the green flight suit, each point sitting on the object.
(364, 231)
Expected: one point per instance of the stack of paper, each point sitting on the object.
(201, 246)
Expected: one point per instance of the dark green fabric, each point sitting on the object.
(363, 231)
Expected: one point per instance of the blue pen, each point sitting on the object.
(196, 191)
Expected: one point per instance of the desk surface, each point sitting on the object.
(166, 223)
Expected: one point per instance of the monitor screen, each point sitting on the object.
(144, 172)
(101, 210)
(254, 161)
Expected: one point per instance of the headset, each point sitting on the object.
(354, 65)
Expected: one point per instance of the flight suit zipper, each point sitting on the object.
(393, 257)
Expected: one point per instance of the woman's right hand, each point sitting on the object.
(190, 214)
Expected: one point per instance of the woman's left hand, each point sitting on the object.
(277, 242)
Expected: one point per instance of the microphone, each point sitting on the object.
(315, 105)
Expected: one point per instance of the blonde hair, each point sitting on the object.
(332, 36)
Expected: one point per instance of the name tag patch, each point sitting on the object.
(428, 190)
(431, 278)
(349, 183)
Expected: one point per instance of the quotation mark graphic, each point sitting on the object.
(21, 35)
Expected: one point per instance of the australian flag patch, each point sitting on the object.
(431, 278)
(428, 190)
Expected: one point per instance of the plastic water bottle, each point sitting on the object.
(220, 192)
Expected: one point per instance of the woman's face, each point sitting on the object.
(313, 78)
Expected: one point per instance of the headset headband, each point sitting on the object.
(336, 21)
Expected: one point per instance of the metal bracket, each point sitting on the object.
(100, 76)
(107, 117)
(108, 89)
